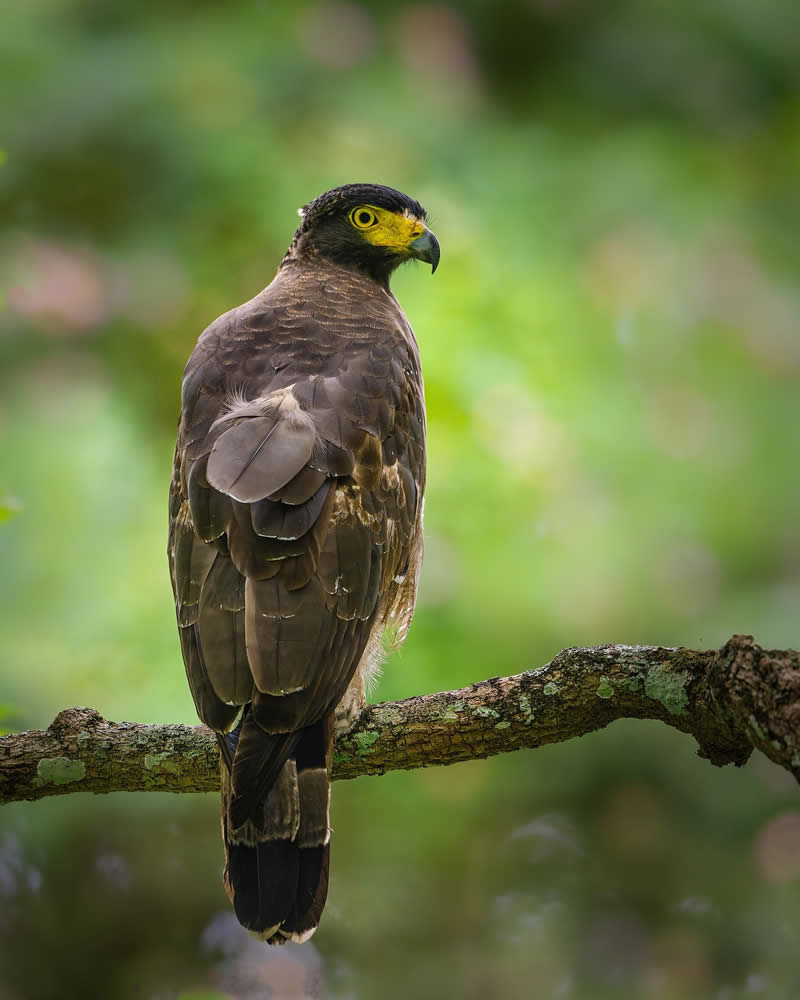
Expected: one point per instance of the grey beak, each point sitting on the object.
(426, 247)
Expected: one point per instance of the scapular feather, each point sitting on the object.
(258, 456)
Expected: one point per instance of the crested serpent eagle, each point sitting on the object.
(295, 533)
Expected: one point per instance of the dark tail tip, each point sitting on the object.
(278, 890)
(262, 883)
(312, 891)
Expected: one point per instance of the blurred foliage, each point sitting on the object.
(8, 507)
(611, 353)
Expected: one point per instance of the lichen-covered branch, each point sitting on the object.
(730, 700)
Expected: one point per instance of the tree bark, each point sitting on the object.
(730, 700)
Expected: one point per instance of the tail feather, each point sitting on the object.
(261, 878)
(277, 856)
(257, 763)
(312, 891)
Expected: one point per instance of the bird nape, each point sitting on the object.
(295, 534)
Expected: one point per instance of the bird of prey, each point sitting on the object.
(295, 536)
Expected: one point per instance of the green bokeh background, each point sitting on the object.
(612, 358)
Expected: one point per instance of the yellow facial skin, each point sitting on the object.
(383, 228)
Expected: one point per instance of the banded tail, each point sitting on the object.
(275, 828)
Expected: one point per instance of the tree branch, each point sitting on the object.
(730, 701)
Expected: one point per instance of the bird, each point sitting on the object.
(295, 532)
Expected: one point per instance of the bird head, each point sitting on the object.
(368, 227)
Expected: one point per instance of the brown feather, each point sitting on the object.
(221, 633)
(256, 457)
(302, 488)
(193, 559)
(210, 707)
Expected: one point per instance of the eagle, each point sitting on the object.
(295, 532)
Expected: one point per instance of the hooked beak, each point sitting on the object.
(426, 247)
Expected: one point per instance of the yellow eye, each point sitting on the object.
(363, 218)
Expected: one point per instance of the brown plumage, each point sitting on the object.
(296, 532)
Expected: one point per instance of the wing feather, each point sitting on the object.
(193, 559)
(210, 707)
(284, 522)
(221, 633)
(258, 456)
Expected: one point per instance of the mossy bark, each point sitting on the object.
(731, 701)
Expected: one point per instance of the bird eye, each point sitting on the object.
(363, 218)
